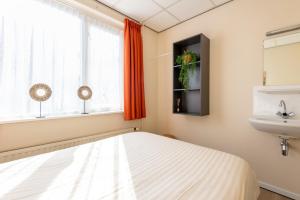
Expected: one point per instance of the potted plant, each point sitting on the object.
(188, 65)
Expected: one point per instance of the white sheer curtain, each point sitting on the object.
(42, 41)
(105, 51)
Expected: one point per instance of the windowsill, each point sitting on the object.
(66, 116)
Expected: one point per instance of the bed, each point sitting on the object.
(131, 166)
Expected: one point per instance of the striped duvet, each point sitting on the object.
(133, 166)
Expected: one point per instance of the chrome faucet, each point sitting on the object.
(284, 114)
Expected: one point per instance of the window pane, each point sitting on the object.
(43, 41)
(104, 72)
(39, 42)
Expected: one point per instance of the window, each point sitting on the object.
(43, 41)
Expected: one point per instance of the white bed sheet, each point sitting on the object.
(133, 166)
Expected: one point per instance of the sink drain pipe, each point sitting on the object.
(284, 146)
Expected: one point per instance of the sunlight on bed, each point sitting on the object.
(91, 171)
(14, 173)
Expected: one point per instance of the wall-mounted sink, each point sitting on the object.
(284, 127)
(276, 110)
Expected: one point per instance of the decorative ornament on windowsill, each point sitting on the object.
(84, 93)
(188, 64)
(178, 105)
(40, 92)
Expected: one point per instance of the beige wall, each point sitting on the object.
(40, 132)
(150, 76)
(18, 135)
(237, 31)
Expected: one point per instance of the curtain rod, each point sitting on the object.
(283, 30)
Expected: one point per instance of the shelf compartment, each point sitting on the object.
(189, 102)
(194, 79)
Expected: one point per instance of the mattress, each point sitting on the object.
(132, 166)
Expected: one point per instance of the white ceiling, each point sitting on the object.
(160, 15)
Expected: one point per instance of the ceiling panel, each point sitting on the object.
(160, 15)
(219, 2)
(138, 9)
(165, 3)
(161, 21)
(186, 9)
(108, 2)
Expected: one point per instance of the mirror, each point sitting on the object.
(282, 60)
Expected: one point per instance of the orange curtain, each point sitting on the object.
(134, 97)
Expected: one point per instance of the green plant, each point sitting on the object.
(188, 63)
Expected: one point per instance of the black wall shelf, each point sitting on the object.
(195, 100)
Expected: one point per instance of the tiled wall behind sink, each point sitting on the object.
(266, 100)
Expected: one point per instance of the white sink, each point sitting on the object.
(284, 127)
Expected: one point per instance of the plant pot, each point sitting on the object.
(187, 59)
